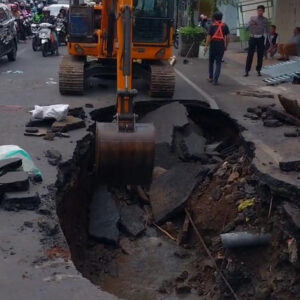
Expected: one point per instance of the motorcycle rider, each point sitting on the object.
(62, 17)
(38, 16)
(17, 15)
(51, 20)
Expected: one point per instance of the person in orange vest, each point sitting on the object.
(218, 40)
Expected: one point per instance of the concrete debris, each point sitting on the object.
(48, 226)
(49, 136)
(14, 181)
(193, 146)
(293, 213)
(10, 164)
(132, 219)
(293, 250)
(69, 123)
(77, 112)
(21, 200)
(54, 157)
(290, 104)
(183, 289)
(272, 123)
(290, 165)
(256, 94)
(104, 217)
(39, 132)
(158, 171)
(177, 117)
(31, 130)
(169, 192)
(183, 234)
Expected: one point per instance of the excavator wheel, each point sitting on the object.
(162, 80)
(71, 75)
(125, 157)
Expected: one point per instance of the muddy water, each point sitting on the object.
(151, 261)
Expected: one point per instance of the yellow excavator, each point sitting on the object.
(124, 38)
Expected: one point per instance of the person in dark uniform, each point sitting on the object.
(258, 27)
(218, 40)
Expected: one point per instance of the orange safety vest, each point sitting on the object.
(218, 36)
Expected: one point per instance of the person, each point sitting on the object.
(47, 18)
(292, 48)
(258, 27)
(38, 16)
(218, 39)
(272, 42)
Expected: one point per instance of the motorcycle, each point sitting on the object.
(61, 32)
(48, 44)
(26, 25)
(36, 42)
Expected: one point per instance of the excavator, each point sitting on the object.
(124, 38)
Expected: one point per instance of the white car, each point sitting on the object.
(55, 8)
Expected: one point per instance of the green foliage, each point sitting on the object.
(189, 33)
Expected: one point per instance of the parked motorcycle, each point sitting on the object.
(36, 42)
(48, 44)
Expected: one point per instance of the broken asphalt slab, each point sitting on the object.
(193, 146)
(290, 165)
(69, 123)
(14, 181)
(104, 217)
(132, 219)
(165, 118)
(170, 191)
(10, 164)
(21, 200)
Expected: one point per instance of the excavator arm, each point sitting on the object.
(124, 148)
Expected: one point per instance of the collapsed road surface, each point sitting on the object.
(138, 242)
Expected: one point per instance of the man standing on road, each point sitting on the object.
(218, 39)
(258, 27)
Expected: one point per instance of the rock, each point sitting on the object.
(21, 200)
(183, 234)
(293, 250)
(183, 289)
(104, 217)
(290, 165)
(284, 117)
(182, 254)
(216, 193)
(39, 132)
(48, 227)
(49, 136)
(193, 146)
(126, 246)
(272, 123)
(10, 164)
(14, 181)
(183, 276)
(40, 122)
(262, 292)
(158, 171)
(69, 123)
(177, 117)
(251, 116)
(89, 105)
(164, 158)
(294, 133)
(169, 192)
(54, 157)
(233, 177)
(132, 219)
(293, 213)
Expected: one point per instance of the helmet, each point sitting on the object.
(22, 5)
(13, 7)
(46, 10)
(40, 8)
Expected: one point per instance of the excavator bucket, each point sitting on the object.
(125, 157)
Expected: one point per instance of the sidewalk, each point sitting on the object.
(271, 146)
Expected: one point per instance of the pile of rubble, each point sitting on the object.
(17, 186)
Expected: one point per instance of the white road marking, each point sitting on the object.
(213, 104)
